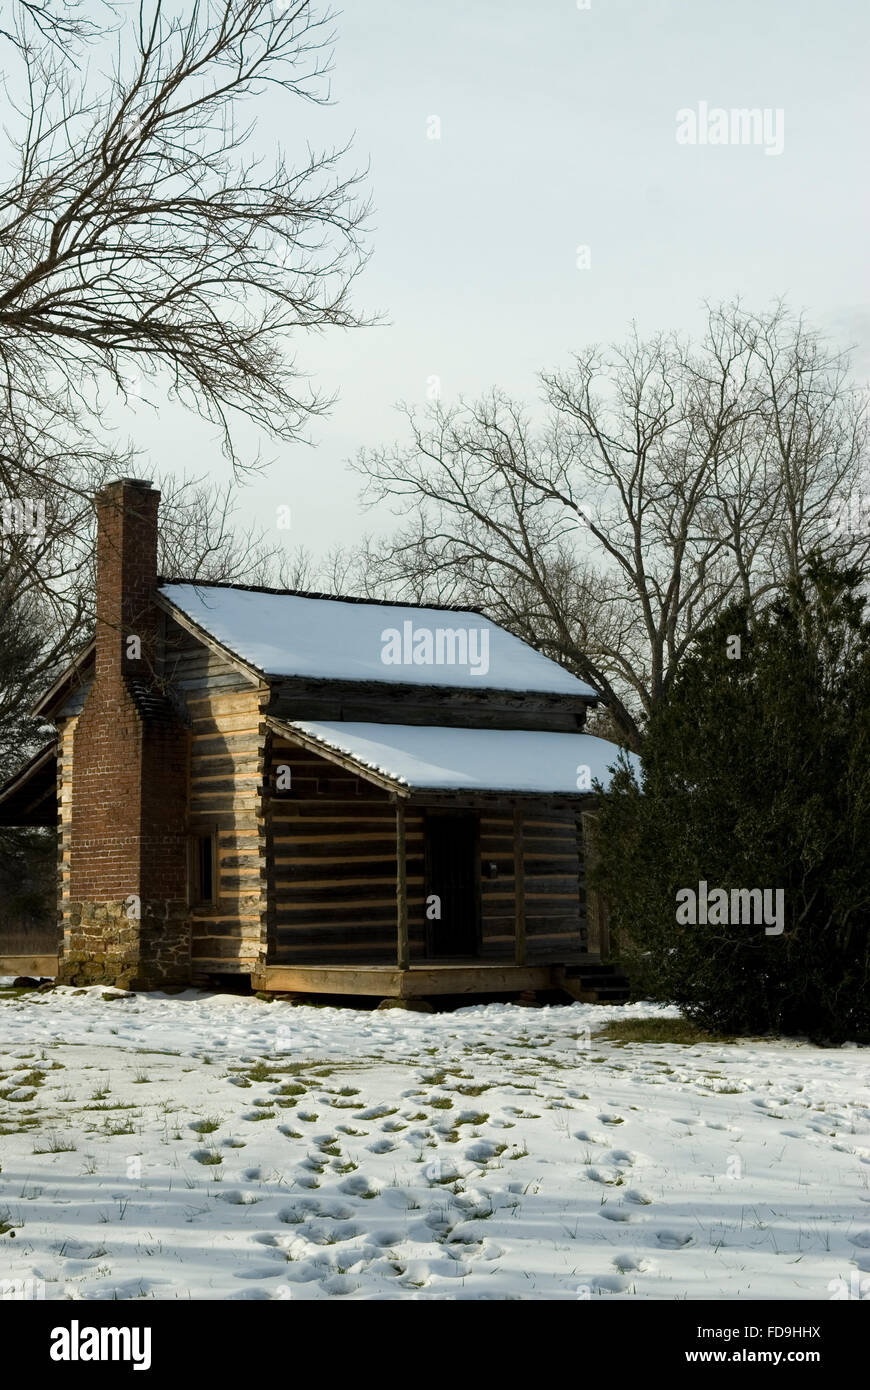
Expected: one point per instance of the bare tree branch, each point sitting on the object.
(667, 480)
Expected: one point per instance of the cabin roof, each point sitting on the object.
(287, 634)
(432, 758)
(30, 796)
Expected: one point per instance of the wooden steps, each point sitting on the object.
(596, 984)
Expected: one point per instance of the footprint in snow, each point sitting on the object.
(674, 1240)
(415, 1275)
(608, 1283)
(608, 1118)
(590, 1136)
(638, 1197)
(77, 1249)
(481, 1151)
(314, 1163)
(632, 1264)
(382, 1146)
(452, 1267)
(616, 1214)
(335, 1211)
(339, 1284)
(624, 1156)
(389, 1238)
(329, 1232)
(474, 1203)
(608, 1176)
(358, 1185)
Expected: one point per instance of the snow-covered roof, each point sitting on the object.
(423, 757)
(293, 635)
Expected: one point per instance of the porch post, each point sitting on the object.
(402, 951)
(597, 926)
(519, 890)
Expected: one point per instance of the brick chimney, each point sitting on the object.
(126, 577)
(126, 920)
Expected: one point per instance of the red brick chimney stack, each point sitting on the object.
(126, 922)
(126, 577)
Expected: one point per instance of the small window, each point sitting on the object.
(202, 876)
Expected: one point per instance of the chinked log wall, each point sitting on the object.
(553, 881)
(227, 745)
(66, 728)
(333, 856)
(309, 876)
(332, 840)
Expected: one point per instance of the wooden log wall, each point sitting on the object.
(553, 865)
(308, 876)
(66, 724)
(227, 743)
(332, 845)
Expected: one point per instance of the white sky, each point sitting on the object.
(558, 129)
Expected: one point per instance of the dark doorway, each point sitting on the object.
(452, 879)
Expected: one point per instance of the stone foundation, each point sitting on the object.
(104, 944)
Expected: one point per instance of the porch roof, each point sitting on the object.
(428, 758)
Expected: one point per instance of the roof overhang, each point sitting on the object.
(72, 675)
(256, 676)
(30, 797)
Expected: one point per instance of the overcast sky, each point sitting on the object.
(558, 130)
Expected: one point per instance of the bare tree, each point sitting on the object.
(61, 22)
(141, 241)
(666, 480)
(146, 250)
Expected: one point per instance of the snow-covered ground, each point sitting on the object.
(211, 1146)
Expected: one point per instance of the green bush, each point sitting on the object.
(756, 774)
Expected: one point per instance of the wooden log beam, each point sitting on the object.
(403, 958)
(519, 890)
(29, 965)
(418, 982)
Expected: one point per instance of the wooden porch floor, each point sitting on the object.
(385, 981)
(418, 981)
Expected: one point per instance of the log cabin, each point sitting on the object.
(324, 794)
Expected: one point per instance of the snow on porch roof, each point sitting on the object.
(338, 639)
(423, 757)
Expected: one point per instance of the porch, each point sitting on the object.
(413, 982)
